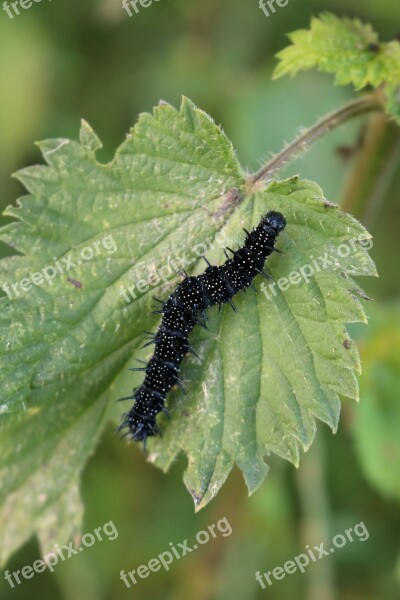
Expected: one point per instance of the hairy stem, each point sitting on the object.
(334, 119)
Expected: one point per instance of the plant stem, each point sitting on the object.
(332, 120)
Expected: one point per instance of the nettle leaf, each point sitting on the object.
(108, 238)
(348, 48)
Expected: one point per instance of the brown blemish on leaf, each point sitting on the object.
(230, 199)
(195, 496)
(75, 283)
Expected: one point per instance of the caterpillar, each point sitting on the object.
(186, 308)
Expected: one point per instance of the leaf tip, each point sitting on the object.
(88, 137)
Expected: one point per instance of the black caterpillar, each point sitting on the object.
(194, 295)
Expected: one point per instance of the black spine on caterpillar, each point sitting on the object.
(183, 310)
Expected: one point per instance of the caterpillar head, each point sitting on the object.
(275, 220)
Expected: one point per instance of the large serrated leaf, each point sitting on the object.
(266, 373)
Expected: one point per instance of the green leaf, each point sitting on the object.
(267, 372)
(348, 48)
(377, 419)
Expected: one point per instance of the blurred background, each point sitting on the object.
(62, 61)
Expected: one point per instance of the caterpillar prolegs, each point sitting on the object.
(186, 308)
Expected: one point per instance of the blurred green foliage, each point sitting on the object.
(63, 61)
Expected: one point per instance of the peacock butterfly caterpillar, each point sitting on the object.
(185, 308)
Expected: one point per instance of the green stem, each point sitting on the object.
(362, 105)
